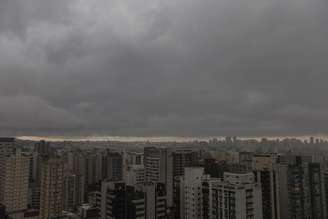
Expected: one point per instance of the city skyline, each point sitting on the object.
(222, 178)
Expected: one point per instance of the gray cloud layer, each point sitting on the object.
(163, 67)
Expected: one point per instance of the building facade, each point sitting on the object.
(74, 189)
(236, 196)
(301, 189)
(14, 179)
(119, 201)
(51, 197)
(266, 176)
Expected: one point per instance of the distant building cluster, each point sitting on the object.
(218, 179)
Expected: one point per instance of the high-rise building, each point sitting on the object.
(7, 146)
(135, 175)
(134, 158)
(51, 198)
(43, 148)
(317, 190)
(73, 192)
(246, 159)
(325, 180)
(87, 211)
(77, 162)
(94, 167)
(158, 164)
(86, 163)
(34, 195)
(120, 201)
(155, 201)
(190, 193)
(265, 175)
(113, 166)
(146, 201)
(301, 189)
(235, 196)
(14, 177)
(94, 198)
(217, 168)
(35, 180)
(163, 165)
(184, 158)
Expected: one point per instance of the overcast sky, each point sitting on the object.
(163, 67)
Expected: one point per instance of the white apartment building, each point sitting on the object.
(235, 196)
(191, 197)
(135, 174)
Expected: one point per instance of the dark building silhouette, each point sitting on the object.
(113, 166)
(120, 201)
(301, 190)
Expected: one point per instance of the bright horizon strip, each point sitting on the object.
(156, 138)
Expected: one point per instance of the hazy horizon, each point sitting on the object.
(158, 138)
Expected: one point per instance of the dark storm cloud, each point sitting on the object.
(182, 67)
